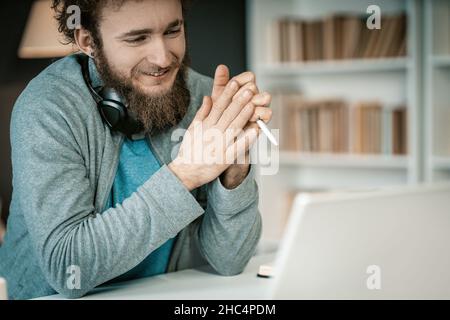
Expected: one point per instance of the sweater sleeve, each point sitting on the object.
(231, 226)
(230, 229)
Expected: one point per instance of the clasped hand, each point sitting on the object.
(223, 130)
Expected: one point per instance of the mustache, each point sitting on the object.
(153, 68)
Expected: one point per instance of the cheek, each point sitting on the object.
(178, 47)
(121, 59)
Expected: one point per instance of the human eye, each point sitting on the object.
(173, 32)
(136, 40)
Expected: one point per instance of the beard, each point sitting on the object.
(155, 112)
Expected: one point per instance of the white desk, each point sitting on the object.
(192, 284)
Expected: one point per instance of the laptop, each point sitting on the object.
(392, 243)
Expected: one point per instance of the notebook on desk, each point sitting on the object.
(388, 244)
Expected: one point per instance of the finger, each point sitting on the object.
(248, 137)
(239, 123)
(239, 148)
(203, 111)
(222, 102)
(249, 86)
(252, 126)
(221, 78)
(233, 110)
(245, 78)
(263, 113)
(262, 99)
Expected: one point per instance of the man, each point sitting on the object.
(92, 204)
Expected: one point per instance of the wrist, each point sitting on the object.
(234, 175)
(190, 183)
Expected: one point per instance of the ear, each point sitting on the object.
(84, 41)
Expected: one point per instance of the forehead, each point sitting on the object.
(132, 14)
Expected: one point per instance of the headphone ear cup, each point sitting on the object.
(113, 112)
(109, 104)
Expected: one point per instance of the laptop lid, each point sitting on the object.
(388, 244)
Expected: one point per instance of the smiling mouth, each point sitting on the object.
(157, 74)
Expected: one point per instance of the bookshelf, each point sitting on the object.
(437, 93)
(440, 61)
(333, 160)
(334, 67)
(441, 163)
(389, 80)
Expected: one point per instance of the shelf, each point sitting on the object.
(441, 61)
(441, 163)
(336, 66)
(391, 80)
(343, 160)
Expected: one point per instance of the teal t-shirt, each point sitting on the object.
(137, 164)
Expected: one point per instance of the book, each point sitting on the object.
(337, 126)
(399, 130)
(336, 37)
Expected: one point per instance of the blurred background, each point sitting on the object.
(357, 108)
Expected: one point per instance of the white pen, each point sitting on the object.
(266, 131)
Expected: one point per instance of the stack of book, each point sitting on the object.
(379, 129)
(336, 126)
(336, 37)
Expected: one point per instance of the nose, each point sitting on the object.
(159, 53)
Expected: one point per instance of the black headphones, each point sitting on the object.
(110, 104)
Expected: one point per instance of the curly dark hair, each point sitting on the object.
(90, 10)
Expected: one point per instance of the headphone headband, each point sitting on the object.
(87, 79)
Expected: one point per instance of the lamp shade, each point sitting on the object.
(41, 38)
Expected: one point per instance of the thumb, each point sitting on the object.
(221, 78)
(204, 110)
